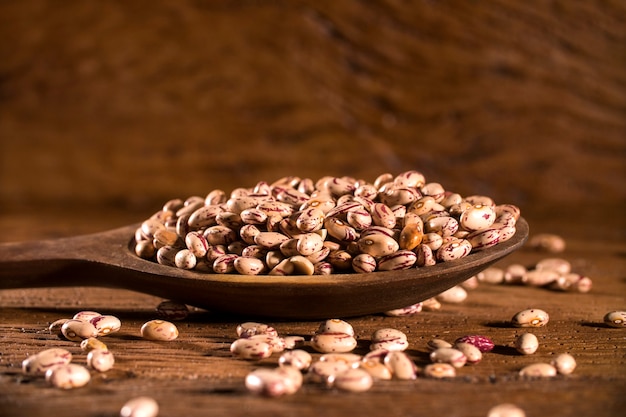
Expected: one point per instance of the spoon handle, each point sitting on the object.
(79, 260)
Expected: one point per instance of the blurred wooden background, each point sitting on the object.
(111, 108)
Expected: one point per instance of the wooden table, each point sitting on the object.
(108, 109)
(197, 375)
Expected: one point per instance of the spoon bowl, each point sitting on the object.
(108, 260)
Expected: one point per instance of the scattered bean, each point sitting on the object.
(564, 363)
(86, 315)
(506, 410)
(451, 356)
(547, 242)
(91, 344)
(251, 349)
(434, 344)
(159, 330)
(389, 339)
(538, 370)
(354, 380)
(615, 319)
(483, 343)
(527, 344)
(333, 342)
(39, 363)
(172, 310)
(471, 352)
(439, 370)
(100, 359)
(298, 358)
(68, 376)
(140, 407)
(77, 330)
(532, 317)
(453, 295)
(106, 324)
(401, 365)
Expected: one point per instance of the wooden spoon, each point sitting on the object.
(107, 259)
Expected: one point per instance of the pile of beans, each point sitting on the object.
(328, 357)
(297, 226)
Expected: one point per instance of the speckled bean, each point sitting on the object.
(483, 343)
(383, 216)
(270, 240)
(434, 344)
(378, 245)
(167, 255)
(269, 382)
(401, 365)
(159, 330)
(615, 319)
(453, 250)
(333, 342)
(251, 349)
(471, 352)
(250, 328)
(68, 376)
(249, 266)
(39, 363)
(140, 407)
(55, 327)
(197, 244)
(543, 370)
(225, 264)
(439, 370)
(526, 344)
(325, 372)
(478, 217)
(452, 356)
(539, 278)
(100, 359)
(77, 330)
(86, 315)
(364, 263)
(92, 343)
(376, 369)
(425, 256)
(399, 260)
(559, 265)
(405, 311)
(389, 339)
(106, 324)
(532, 317)
(298, 358)
(354, 380)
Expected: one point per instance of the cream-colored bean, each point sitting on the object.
(310, 219)
(298, 358)
(68, 376)
(378, 245)
(159, 330)
(401, 365)
(277, 344)
(55, 327)
(544, 370)
(364, 263)
(249, 266)
(251, 328)
(514, 274)
(539, 278)
(292, 342)
(443, 225)
(140, 407)
(301, 265)
(491, 275)
(354, 380)
(309, 243)
(526, 344)
(439, 370)
(532, 317)
(399, 260)
(389, 339)
(276, 208)
(435, 190)
(359, 219)
(100, 359)
(454, 295)
(349, 358)
(425, 256)
(229, 220)
(431, 304)
(86, 315)
(432, 240)
(196, 243)
(335, 326)
(615, 319)
(333, 342)
(471, 352)
(325, 372)
(376, 369)
(506, 410)
(77, 330)
(340, 230)
(167, 255)
(405, 311)
(214, 252)
(559, 265)
(251, 349)
(220, 235)
(268, 382)
(150, 226)
(185, 259)
(106, 324)
(383, 216)
(225, 264)
(270, 240)
(453, 250)
(341, 260)
(398, 196)
(40, 362)
(547, 242)
(203, 216)
(486, 238)
(323, 268)
(451, 356)
(434, 344)
(478, 217)
(564, 363)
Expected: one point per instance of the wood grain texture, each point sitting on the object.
(107, 109)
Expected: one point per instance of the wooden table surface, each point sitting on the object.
(108, 109)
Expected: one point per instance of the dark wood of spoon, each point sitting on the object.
(107, 260)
